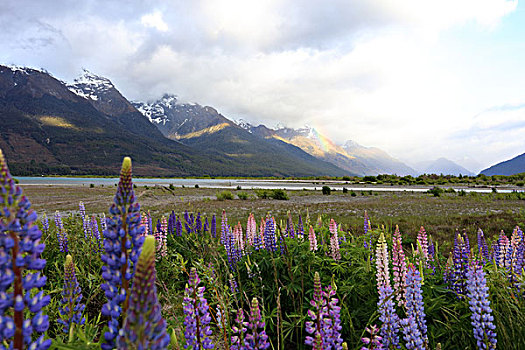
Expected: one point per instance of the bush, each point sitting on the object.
(353, 194)
(462, 193)
(171, 187)
(224, 195)
(91, 185)
(263, 194)
(239, 187)
(279, 194)
(345, 190)
(436, 191)
(242, 195)
(196, 186)
(450, 190)
(520, 183)
(326, 190)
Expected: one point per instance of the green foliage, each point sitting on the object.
(242, 195)
(224, 195)
(262, 194)
(436, 191)
(326, 190)
(345, 190)
(279, 194)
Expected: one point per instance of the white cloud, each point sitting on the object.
(154, 20)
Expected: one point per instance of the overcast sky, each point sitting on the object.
(420, 79)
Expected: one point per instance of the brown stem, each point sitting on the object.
(18, 342)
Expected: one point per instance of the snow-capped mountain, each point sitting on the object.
(90, 86)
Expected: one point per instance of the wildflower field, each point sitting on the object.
(127, 280)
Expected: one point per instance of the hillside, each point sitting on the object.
(512, 166)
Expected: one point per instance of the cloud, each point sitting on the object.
(377, 72)
(154, 20)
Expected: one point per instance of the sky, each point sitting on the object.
(420, 79)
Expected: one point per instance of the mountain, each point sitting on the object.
(446, 167)
(46, 128)
(512, 166)
(204, 128)
(354, 158)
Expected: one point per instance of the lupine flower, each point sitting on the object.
(300, 228)
(234, 287)
(188, 222)
(45, 223)
(325, 325)
(460, 260)
(390, 327)
(290, 232)
(21, 305)
(399, 267)
(251, 230)
(206, 226)
(256, 337)
(61, 233)
(213, 227)
(239, 331)
(238, 237)
(373, 341)
(262, 228)
(171, 223)
(422, 240)
(144, 327)
(482, 319)
(197, 316)
(334, 241)
(224, 227)
(269, 235)
(122, 245)
(96, 233)
(162, 246)
(72, 308)
(198, 223)
(312, 239)
(178, 227)
(85, 221)
(382, 274)
(103, 223)
(366, 229)
(414, 326)
(483, 249)
(144, 222)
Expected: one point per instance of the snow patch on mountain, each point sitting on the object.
(90, 86)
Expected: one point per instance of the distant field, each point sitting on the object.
(441, 215)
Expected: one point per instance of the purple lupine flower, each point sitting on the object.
(45, 223)
(206, 226)
(103, 223)
(482, 319)
(325, 325)
(399, 267)
(335, 253)
(213, 227)
(72, 308)
(414, 325)
(162, 237)
(20, 303)
(234, 287)
(197, 316)
(122, 245)
(61, 233)
(178, 228)
(483, 249)
(144, 327)
(390, 327)
(290, 232)
(198, 223)
(256, 337)
(300, 227)
(188, 222)
(231, 252)
(224, 227)
(269, 235)
(85, 221)
(171, 223)
(367, 228)
(239, 331)
(460, 259)
(96, 234)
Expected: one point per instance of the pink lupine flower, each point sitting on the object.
(334, 241)
(312, 239)
(399, 267)
(423, 242)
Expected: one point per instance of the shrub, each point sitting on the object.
(520, 183)
(436, 191)
(326, 190)
(345, 190)
(239, 187)
(171, 187)
(279, 194)
(353, 194)
(242, 195)
(91, 185)
(450, 190)
(196, 186)
(224, 195)
(263, 194)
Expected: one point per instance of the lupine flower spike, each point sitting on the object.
(61, 233)
(20, 302)
(144, 327)
(122, 245)
(72, 308)
(197, 315)
(334, 241)
(239, 329)
(312, 239)
(399, 267)
(45, 223)
(414, 326)
(256, 337)
(482, 319)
